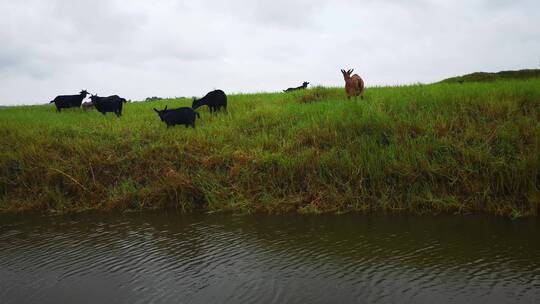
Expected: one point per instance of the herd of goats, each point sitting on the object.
(215, 100)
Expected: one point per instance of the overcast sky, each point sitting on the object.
(141, 48)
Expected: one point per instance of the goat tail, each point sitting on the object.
(51, 101)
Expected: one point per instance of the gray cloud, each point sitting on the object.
(171, 48)
(282, 14)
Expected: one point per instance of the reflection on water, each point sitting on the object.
(141, 258)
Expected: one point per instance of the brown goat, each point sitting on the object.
(354, 85)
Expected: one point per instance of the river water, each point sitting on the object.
(157, 258)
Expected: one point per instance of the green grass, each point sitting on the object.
(503, 75)
(471, 147)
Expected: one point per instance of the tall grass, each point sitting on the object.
(470, 147)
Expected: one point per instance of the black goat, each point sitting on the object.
(181, 116)
(303, 86)
(215, 100)
(108, 104)
(69, 101)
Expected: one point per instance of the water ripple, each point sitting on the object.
(231, 259)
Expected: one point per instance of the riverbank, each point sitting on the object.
(471, 147)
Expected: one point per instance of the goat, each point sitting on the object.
(108, 104)
(215, 100)
(354, 85)
(302, 87)
(69, 101)
(181, 116)
(87, 105)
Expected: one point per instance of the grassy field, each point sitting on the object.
(471, 147)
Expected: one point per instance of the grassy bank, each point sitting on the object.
(503, 75)
(471, 147)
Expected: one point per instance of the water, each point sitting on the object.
(142, 258)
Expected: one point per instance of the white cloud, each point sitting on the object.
(170, 48)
